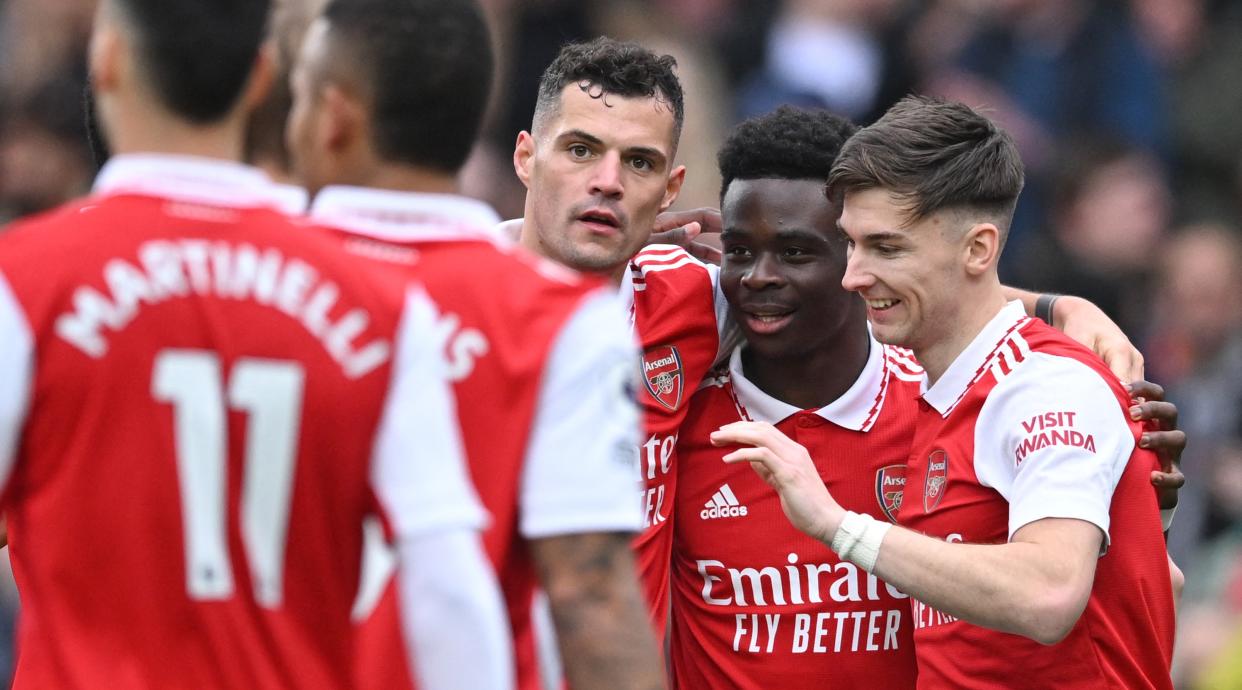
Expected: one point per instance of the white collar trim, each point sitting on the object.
(856, 409)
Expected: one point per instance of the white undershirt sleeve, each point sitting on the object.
(581, 472)
(453, 613)
(1053, 440)
(16, 371)
(451, 608)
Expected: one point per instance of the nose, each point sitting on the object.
(606, 176)
(763, 273)
(857, 276)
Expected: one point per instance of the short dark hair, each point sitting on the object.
(197, 55)
(788, 143)
(612, 67)
(428, 67)
(933, 155)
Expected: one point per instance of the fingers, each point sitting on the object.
(1163, 413)
(681, 236)
(1146, 390)
(746, 434)
(705, 253)
(1165, 443)
(1168, 480)
(707, 218)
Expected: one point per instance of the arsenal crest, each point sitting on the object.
(662, 372)
(937, 480)
(890, 483)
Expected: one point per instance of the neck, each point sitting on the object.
(810, 381)
(528, 237)
(138, 129)
(975, 309)
(406, 178)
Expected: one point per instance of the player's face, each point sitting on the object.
(597, 174)
(909, 274)
(783, 264)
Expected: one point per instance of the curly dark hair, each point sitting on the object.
(788, 143)
(612, 67)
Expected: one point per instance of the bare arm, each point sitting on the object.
(605, 639)
(1088, 324)
(1036, 585)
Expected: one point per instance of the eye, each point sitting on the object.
(642, 164)
(886, 250)
(736, 252)
(579, 150)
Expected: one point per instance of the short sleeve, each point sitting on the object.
(16, 370)
(1053, 440)
(418, 467)
(581, 472)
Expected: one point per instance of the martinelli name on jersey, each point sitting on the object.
(169, 269)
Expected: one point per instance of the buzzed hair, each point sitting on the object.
(788, 144)
(934, 155)
(428, 67)
(605, 66)
(198, 56)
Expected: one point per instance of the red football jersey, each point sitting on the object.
(543, 373)
(197, 405)
(1024, 425)
(756, 603)
(677, 312)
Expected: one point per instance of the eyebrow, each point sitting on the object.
(592, 139)
(879, 236)
(786, 234)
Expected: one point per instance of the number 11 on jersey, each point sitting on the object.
(270, 392)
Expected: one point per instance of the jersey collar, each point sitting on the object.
(403, 216)
(211, 181)
(856, 409)
(975, 359)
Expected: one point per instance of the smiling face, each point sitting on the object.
(783, 264)
(597, 173)
(912, 275)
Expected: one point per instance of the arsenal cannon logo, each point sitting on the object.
(890, 484)
(662, 372)
(937, 479)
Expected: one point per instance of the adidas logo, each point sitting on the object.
(723, 505)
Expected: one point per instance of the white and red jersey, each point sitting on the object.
(200, 402)
(678, 314)
(1024, 425)
(543, 369)
(758, 604)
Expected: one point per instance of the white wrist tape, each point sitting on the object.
(858, 539)
(1166, 517)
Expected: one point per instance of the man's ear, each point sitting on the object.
(524, 156)
(262, 76)
(344, 122)
(981, 246)
(673, 188)
(105, 59)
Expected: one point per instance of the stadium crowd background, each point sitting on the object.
(1128, 114)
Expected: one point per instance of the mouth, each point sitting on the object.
(766, 320)
(600, 221)
(879, 305)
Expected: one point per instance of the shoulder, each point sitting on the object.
(669, 262)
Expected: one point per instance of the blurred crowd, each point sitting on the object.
(1127, 114)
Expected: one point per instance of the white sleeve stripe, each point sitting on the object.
(580, 472)
(16, 373)
(418, 468)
